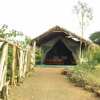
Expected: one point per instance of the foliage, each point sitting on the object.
(7, 34)
(25, 42)
(95, 37)
(13, 36)
(96, 56)
(10, 57)
(91, 59)
(38, 56)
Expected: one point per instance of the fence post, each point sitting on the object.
(34, 50)
(13, 65)
(20, 72)
(25, 63)
(29, 58)
(3, 72)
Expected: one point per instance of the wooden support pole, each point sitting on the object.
(25, 64)
(13, 65)
(29, 58)
(34, 50)
(3, 65)
(3, 72)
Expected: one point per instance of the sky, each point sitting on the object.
(34, 17)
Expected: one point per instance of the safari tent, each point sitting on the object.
(59, 46)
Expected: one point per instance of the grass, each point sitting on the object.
(90, 77)
(95, 75)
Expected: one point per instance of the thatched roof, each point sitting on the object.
(55, 31)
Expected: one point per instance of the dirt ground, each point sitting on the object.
(48, 84)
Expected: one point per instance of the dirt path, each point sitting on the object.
(49, 84)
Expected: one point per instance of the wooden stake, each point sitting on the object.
(13, 65)
(34, 50)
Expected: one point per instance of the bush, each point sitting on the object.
(38, 56)
(81, 71)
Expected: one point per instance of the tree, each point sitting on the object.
(25, 42)
(95, 37)
(3, 30)
(8, 34)
(14, 36)
(84, 14)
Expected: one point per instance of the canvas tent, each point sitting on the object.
(59, 46)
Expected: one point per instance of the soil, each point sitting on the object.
(48, 84)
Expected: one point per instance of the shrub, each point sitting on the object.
(38, 56)
(80, 72)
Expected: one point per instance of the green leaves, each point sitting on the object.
(93, 59)
(25, 42)
(6, 33)
(38, 55)
(95, 37)
(3, 30)
(14, 36)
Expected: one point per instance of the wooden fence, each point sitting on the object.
(14, 68)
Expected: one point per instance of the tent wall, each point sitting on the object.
(70, 44)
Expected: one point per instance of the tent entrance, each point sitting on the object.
(59, 54)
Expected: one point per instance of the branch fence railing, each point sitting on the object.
(15, 63)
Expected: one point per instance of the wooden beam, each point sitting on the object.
(11, 44)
